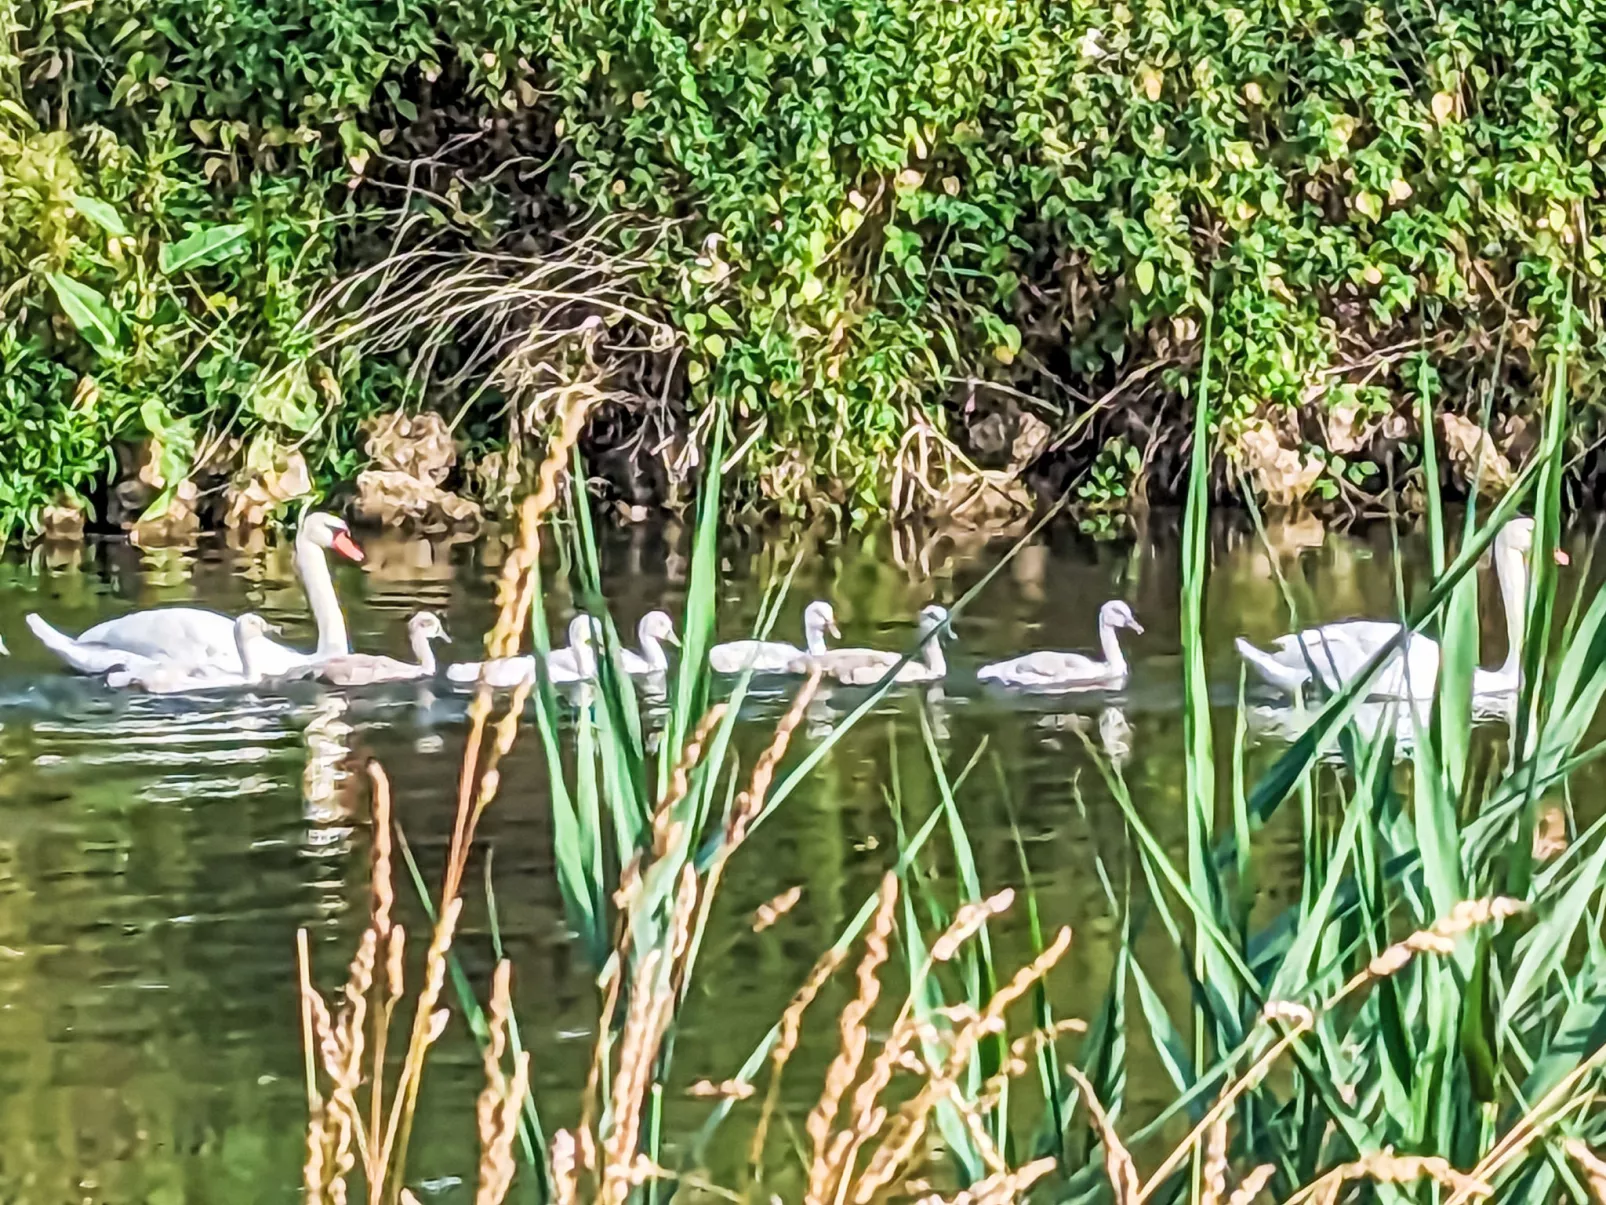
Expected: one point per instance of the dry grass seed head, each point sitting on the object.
(731, 1089)
(496, 1155)
(1253, 1185)
(1385, 1167)
(844, 1068)
(903, 1138)
(383, 889)
(680, 777)
(1118, 1164)
(495, 1090)
(651, 1005)
(766, 914)
(968, 922)
(786, 1042)
(1593, 1165)
(1439, 938)
(565, 1179)
(751, 801)
(396, 948)
(1214, 1186)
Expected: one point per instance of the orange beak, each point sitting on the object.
(342, 543)
(1562, 558)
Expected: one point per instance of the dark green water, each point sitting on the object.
(158, 855)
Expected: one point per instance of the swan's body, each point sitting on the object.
(655, 628)
(158, 677)
(579, 665)
(1336, 653)
(190, 638)
(1050, 670)
(365, 669)
(865, 667)
(776, 656)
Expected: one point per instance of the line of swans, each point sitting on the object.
(171, 650)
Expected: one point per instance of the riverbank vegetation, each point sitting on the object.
(951, 257)
(1419, 1022)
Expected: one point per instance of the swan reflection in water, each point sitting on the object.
(1372, 719)
(1114, 731)
(328, 789)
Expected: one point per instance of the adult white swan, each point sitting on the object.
(1051, 670)
(189, 638)
(1339, 651)
(776, 656)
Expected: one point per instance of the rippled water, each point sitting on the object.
(157, 855)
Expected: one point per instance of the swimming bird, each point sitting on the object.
(158, 677)
(865, 667)
(190, 637)
(1336, 653)
(655, 628)
(1050, 670)
(365, 669)
(510, 671)
(775, 656)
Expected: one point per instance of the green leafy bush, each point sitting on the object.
(852, 204)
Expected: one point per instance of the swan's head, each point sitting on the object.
(819, 617)
(657, 625)
(1518, 536)
(1116, 614)
(326, 531)
(935, 619)
(252, 626)
(584, 631)
(427, 624)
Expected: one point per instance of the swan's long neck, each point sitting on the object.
(249, 669)
(814, 635)
(1511, 569)
(313, 568)
(931, 653)
(652, 652)
(1111, 646)
(423, 652)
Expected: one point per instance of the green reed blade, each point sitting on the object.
(1532, 709)
(692, 683)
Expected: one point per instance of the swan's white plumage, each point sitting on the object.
(866, 667)
(366, 669)
(156, 676)
(197, 639)
(1053, 670)
(1336, 653)
(776, 656)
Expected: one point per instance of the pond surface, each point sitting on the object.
(157, 855)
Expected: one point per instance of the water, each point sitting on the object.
(157, 855)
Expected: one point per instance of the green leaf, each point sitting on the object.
(90, 312)
(212, 245)
(287, 399)
(100, 213)
(1143, 274)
